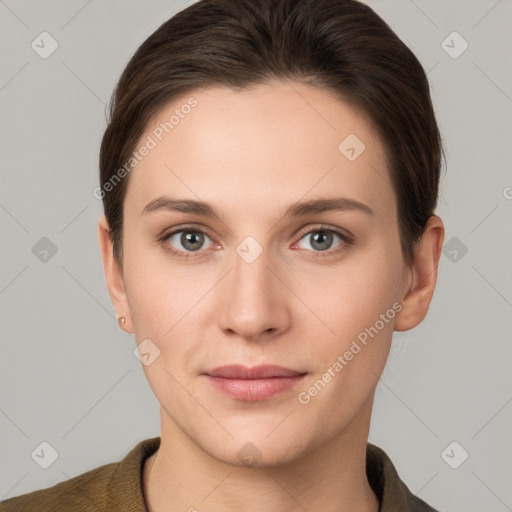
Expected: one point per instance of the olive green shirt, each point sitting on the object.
(118, 487)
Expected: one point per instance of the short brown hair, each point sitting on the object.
(340, 45)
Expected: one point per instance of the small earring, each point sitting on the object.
(121, 320)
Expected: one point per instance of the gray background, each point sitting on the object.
(68, 374)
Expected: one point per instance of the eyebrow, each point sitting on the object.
(299, 209)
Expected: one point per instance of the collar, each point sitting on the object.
(125, 487)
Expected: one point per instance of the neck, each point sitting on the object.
(181, 476)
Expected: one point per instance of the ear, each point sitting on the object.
(423, 277)
(113, 275)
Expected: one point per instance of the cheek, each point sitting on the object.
(354, 307)
(162, 309)
(160, 304)
(167, 302)
(357, 304)
(352, 295)
(154, 289)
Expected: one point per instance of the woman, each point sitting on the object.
(269, 177)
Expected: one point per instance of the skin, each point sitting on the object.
(250, 155)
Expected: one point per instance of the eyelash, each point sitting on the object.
(347, 242)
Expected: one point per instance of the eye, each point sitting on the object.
(321, 240)
(186, 240)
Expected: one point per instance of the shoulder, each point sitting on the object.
(83, 492)
(391, 491)
(114, 486)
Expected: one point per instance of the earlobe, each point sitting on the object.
(113, 275)
(424, 269)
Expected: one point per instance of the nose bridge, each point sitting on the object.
(251, 273)
(252, 304)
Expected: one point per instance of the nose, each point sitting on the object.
(254, 300)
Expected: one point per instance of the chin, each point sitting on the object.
(256, 448)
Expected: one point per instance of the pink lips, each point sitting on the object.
(253, 384)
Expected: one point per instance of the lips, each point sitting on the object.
(236, 371)
(253, 384)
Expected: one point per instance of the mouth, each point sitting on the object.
(253, 384)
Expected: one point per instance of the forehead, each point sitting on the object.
(268, 145)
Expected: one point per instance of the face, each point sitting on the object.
(262, 280)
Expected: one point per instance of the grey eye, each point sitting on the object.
(190, 240)
(321, 239)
